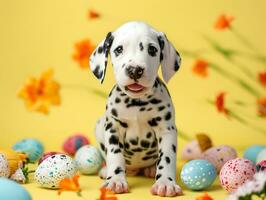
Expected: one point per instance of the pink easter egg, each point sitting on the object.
(235, 173)
(46, 155)
(219, 155)
(73, 143)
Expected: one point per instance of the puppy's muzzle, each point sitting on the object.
(134, 73)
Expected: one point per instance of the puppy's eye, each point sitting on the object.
(152, 50)
(118, 50)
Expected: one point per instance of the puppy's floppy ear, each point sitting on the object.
(169, 57)
(98, 59)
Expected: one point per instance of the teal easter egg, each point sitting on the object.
(252, 152)
(88, 159)
(198, 174)
(10, 190)
(261, 156)
(31, 147)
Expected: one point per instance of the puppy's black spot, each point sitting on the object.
(118, 89)
(145, 144)
(109, 177)
(128, 162)
(117, 100)
(108, 126)
(121, 145)
(161, 56)
(158, 119)
(170, 179)
(150, 96)
(137, 102)
(97, 72)
(118, 170)
(117, 151)
(142, 109)
(129, 152)
(158, 176)
(152, 122)
(151, 152)
(100, 49)
(167, 159)
(147, 157)
(168, 116)
(126, 145)
(134, 141)
(123, 124)
(154, 144)
(174, 148)
(160, 140)
(149, 109)
(160, 167)
(176, 67)
(155, 101)
(160, 108)
(141, 46)
(126, 100)
(149, 134)
(112, 131)
(102, 146)
(113, 139)
(114, 112)
(161, 42)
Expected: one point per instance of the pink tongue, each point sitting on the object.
(135, 87)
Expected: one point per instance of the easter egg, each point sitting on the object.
(219, 155)
(10, 190)
(252, 152)
(88, 159)
(46, 155)
(261, 166)
(261, 156)
(54, 169)
(73, 143)
(235, 173)
(198, 174)
(4, 167)
(31, 147)
(191, 151)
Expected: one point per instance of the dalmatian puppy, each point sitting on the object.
(137, 133)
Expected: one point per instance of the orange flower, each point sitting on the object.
(68, 184)
(92, 14)
(262, 107)
(219, 102)
(104, 193)
(83, 49)
(262, 78)
(40, 93)
(205, 196)
(223, 22)
(200, 67)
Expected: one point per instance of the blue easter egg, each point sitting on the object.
(10, 190)
(252, 152)
(198, 174)
(31, 147)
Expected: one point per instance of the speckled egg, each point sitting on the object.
(31, 147)
(198, 174)
(4, 166)
(73, 143)
(235, 173)
(88, 159)
(261, 156)
(10, 190)
(219, 155)
(261, 166)
(252, 152)
(54, 169)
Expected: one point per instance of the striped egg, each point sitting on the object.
(235, 173)
(198, 174)
(54, 169)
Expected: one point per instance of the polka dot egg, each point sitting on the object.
(198, 174)
(4, 167)
(88, 159)
(235, 173)
(54, 169)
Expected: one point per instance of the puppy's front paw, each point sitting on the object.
(165, 188)
(116, 184)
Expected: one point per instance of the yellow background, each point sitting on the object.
(37, 35)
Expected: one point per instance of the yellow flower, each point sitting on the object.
(40, 93)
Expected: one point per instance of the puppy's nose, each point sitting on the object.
(134, 72)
